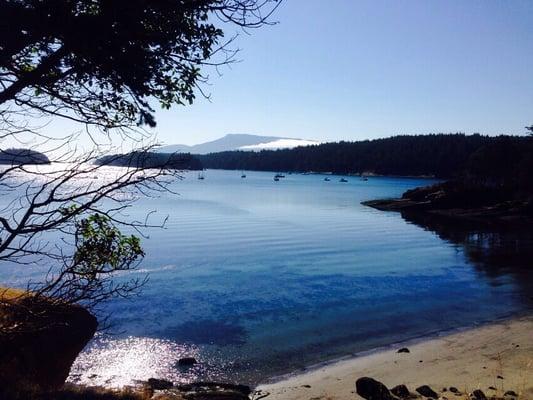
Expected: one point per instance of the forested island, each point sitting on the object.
(495, 184)
(22, 156)
(141, 159)
(438, 155)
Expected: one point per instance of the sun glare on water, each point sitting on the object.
(120, 362)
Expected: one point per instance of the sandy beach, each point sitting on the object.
(498, 355)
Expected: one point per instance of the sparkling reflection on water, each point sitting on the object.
(119, 362)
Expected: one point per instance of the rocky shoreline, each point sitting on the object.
(459, 201)
(371, 389)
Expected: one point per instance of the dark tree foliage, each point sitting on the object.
(100, 61)
(506, 162)
(147, 160)
(441, 155)
(101, 251)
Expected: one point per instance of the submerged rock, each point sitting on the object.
(371, 389)
(510, 393)
(186, 362)
(426, 391)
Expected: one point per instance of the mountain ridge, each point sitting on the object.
(237, 141)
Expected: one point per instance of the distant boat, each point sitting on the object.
(364, 179)
(243, 175)
(327, 179)
(276, 178)
(201, 176)
(279, 176)
(343, 180)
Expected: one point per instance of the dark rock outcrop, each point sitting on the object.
(39, 341)
(479, 395)
(403, 350)
(401, 391)
(426, 391)
(371, 389)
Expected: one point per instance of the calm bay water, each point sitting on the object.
(257, 278)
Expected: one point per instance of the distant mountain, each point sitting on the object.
(238, 142)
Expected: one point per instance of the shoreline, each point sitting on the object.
(436, 334)
(348, 174)
(452, 358)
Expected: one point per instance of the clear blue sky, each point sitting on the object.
(343, 69)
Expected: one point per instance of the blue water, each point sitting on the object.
(256, 278)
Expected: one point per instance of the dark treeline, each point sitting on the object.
(495, 185)
(503, 163)
(138, 159)
(439, 155)
(22, 156)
